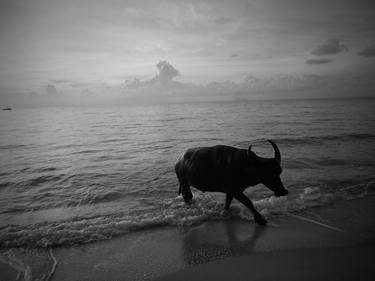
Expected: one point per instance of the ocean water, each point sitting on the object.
(71, 175)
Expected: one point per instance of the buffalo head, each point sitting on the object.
(268, 170)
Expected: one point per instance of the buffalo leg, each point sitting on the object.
(184, 187)
(228, 200)
(186, 193)
(247, 202)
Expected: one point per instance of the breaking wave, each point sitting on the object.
(173, 212)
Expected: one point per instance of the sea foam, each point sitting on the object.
(173, 212)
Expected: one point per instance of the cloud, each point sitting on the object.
(162, 87)
(222, 20)
(368, 51)
(62, 81)
(164, 79)
(329, 47)
(250, 79)
(318, 61)
(282, 83)
(51, 90)
(166, 72)
(133, 12)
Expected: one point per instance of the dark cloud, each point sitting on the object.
(318, 61)
(234, 56)
(329, 47)
(368, 51)
(51, 90)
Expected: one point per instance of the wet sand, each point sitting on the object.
(343, 263)
(289, 248)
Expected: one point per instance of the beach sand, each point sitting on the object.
(289, 248)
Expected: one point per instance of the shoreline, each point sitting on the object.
(215, 249)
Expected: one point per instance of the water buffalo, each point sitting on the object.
(229, 170)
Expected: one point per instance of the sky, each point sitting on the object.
(104, 51)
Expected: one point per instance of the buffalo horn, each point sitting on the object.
(277, 151)
(248, 151)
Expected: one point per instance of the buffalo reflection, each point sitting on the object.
(220, 240)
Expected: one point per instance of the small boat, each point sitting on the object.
(7, 108)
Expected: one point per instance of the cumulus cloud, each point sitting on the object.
(166, 72)
(164, 79)
(368, 51)
(318, 61)
(329, 47)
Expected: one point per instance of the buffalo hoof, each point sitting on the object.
(259, 219)
(187, 198)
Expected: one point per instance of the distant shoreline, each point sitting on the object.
(123, 103)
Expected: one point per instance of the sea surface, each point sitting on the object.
(72, 175)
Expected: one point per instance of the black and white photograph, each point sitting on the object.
(162, 140)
